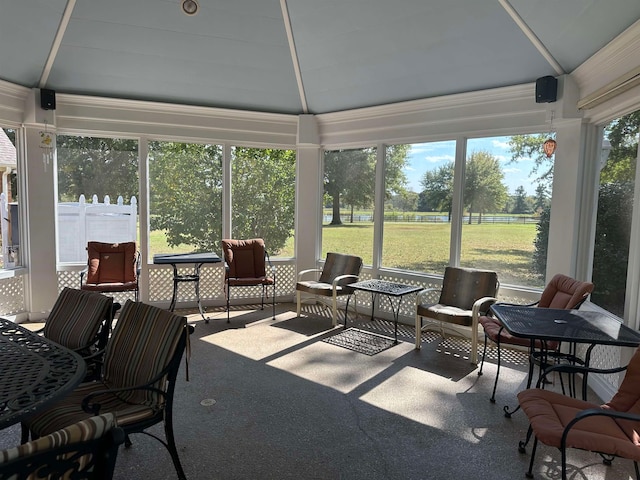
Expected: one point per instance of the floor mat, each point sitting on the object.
(360, 341)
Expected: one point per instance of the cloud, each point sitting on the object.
(500, 144)
(511, 170)
(439, 158)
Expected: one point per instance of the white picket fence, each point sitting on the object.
(81, 222)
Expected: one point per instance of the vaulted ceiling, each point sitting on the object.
(299, 56)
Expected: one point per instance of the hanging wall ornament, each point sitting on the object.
(47, 145)
(549, 147)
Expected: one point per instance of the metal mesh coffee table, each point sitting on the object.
(393, 291)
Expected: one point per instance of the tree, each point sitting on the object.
(100, 166)
(438, 189)
(186, 193)
(349, 177)
(541, 199)
(521, 205)
(621, 163)
(530, 147)
(405, 201)
(263, 195)
(483, 188)
(340, 166)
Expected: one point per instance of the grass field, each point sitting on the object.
(424, 247)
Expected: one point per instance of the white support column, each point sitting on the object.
(567, 193)
(309, 194)
(38, 212)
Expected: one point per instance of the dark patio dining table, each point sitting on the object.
(34, 372)
(570, 327)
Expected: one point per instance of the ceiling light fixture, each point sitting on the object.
(190, 7)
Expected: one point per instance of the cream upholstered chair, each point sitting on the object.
(338, 272)
(83, 450)
(464, 294)
(564, 422)
(561, 292)
(137, 382)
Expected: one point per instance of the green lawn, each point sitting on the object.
(424, 247)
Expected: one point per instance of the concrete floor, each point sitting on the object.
(270, 400)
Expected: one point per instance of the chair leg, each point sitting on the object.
(418, 323)
(274, 301)
(495, 383)
(24, 437)
(635, 465)
(228, 294)
(171, 446)
(484, 354)
(298, 301)
(529, 473)
(334, 309)
(262, 299)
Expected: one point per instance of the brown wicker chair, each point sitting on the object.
(464, 291)
(564, 422)
(561, 292)
(338, 272)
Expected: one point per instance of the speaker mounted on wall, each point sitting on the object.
(546, 89)
(47, 99)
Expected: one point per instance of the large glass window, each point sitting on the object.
(614, 213)
(97, 193)
(10, 218)
(263, 190)
(349, 190)
(185, 197)
(417, 215)
(506, 207)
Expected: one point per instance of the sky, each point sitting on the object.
(429, 156)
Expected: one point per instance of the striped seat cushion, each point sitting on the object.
(91, 428)
(76, 317)
(69, 410)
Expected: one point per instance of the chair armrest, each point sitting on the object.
(301, 273)
(479, 307)
(424, 292)
(94, 407)
(83, 272)
(339, 278)
(593, 412)
(573, 369)
(519, 304)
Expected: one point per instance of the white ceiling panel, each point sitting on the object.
(351, 53)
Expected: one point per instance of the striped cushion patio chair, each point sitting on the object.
(81, 321)
(84, 450)
(138, 378)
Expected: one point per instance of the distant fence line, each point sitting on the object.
(436, 218)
